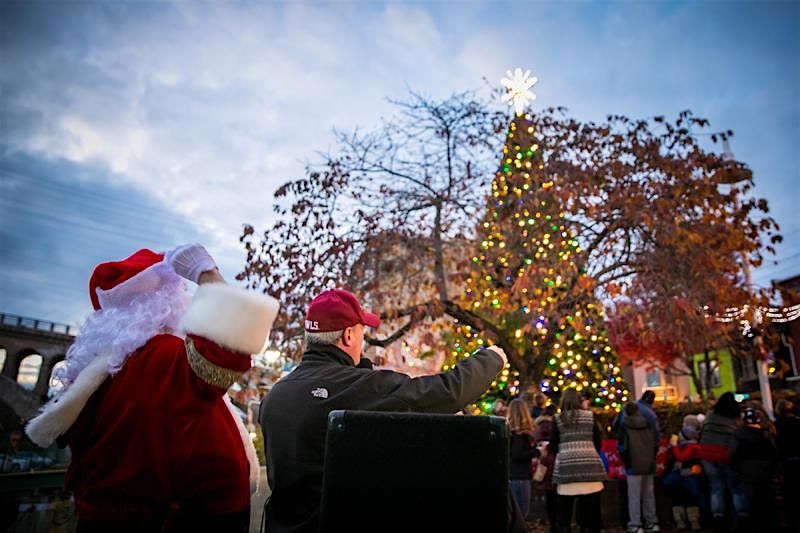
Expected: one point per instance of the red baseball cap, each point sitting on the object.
(108, 275)
(335, 310)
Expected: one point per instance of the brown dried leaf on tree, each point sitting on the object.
(391, 214)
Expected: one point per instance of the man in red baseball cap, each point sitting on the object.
(337, 315)
(332, 375)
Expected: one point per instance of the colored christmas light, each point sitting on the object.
(529, 281)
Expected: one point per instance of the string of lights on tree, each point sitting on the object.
(529, 280)
(773, 314)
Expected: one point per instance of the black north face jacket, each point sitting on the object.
(294, 417)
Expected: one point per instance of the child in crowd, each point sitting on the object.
(684, 483)
(542, 432)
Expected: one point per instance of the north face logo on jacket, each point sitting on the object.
(319, 393)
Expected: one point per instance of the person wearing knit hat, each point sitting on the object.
(154, 440)
(693, 421)
(683, 484)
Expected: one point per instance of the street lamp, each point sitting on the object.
(737, 174)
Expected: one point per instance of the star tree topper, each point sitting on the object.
(518, 86)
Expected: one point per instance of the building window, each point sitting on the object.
(29, 371)
(653, 378)
(716, 378)
(749, 369)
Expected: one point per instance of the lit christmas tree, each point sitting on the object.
(529, 283)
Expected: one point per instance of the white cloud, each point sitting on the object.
(208, 107)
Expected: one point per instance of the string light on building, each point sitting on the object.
(774, 314)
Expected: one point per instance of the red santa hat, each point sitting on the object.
(108, 275)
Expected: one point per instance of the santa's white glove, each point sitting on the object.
(499, 351)
(190, 260)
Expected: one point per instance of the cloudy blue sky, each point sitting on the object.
(131, 124)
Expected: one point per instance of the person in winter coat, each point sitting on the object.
(543, 425)
(715, 440)
(542, 433)
(645, 405)
(788, 428)
(637, 445)
(330, 376)
(683, 483)
(753, 455)
(578, 471)
(521, 453)
(546, 487)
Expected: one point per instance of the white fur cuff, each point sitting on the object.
(60, 413)
(231, 316)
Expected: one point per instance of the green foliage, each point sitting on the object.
(258, 443)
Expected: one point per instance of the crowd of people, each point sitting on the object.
(722, 468)
(152, 364)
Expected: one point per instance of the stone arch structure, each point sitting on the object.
(22, 337)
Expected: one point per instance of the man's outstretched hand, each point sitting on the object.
(499, 351)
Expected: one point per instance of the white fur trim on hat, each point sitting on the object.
(58, 415)
(249, 449)
(231, 316)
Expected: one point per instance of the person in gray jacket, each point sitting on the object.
(715, 440)
(638, 446)
(332, 375)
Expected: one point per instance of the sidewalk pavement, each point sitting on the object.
(257, 502)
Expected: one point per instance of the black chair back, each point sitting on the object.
(414, 472)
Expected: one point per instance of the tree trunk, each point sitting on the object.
(535, 369)
(441, 280)
(707, 380)
(698, 385)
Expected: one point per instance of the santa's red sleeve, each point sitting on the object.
(224, 325)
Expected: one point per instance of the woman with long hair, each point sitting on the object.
(579, 472)
(520, 425)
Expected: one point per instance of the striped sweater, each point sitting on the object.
(577, 460)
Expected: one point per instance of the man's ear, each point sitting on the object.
(347, 336)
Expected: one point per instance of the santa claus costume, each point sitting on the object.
(155, 445)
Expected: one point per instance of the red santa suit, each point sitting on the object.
(156, 439)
